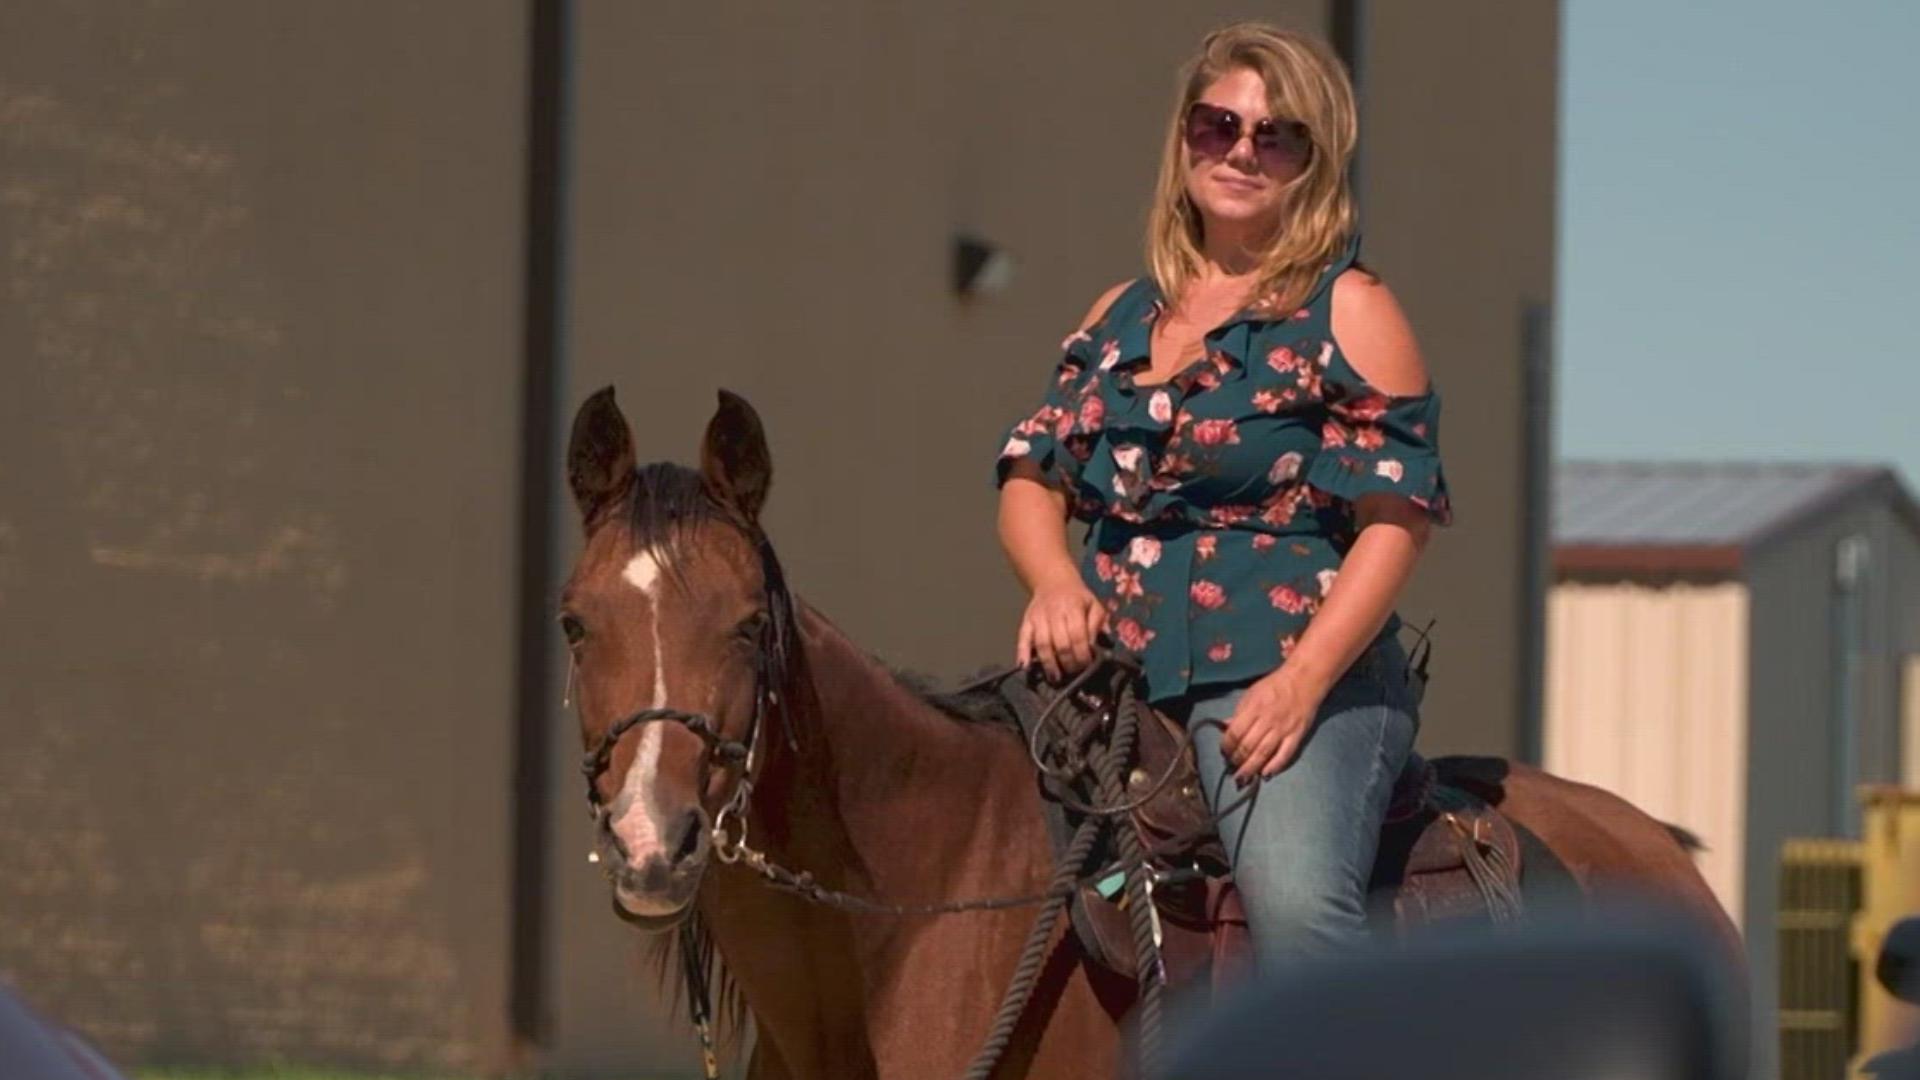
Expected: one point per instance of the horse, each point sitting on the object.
(716, 705)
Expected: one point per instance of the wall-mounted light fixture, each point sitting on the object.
(980, 267)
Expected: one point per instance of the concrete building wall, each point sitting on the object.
(768, 204)
(1647, 698)
(256, 533)
(257, 490)
(781, 224)
(1466, 241)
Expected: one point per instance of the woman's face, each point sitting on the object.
(1237, 187)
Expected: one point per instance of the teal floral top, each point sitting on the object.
(1221, 500)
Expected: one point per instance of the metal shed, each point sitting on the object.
(1733, 648)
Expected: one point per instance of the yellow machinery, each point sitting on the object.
(1837, 899)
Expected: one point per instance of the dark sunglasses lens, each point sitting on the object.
(1283, 147)
(1212, 131)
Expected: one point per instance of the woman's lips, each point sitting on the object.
(1235, 183)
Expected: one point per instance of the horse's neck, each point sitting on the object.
(884, 798)
(898, 773)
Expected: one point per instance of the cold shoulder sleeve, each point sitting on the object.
(1373, 442)
(1057, 437)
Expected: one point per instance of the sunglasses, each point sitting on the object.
(1281, 145)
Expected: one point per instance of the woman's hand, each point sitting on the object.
(1268, 725)
(1059, 626)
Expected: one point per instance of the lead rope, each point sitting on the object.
(699, 998)
(1150, 969)
(1143, 918)
(1020, 988)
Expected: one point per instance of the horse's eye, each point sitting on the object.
(575, 630)
(750, 627)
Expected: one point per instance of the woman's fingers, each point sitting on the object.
(1096, 618)
(1060, 635)
(1073, 640)
(1044, 645)
(1283, 755)
(1063, 649)
(1256, 758)
(1233, 736)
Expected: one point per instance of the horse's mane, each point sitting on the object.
(665, 503)
(969, 703)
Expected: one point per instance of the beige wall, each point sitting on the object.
(1647, 698)
(256, 506)
(767, 204)
(1458, 187)
(256, 539)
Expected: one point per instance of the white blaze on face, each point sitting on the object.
(637, 829)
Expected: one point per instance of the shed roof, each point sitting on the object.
(1700, 517)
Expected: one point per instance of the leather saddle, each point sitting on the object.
(1445, 854)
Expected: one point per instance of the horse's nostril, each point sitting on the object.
(689, 829)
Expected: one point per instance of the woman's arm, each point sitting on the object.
(1062, 614)
(1274, 715)
(1378, 342)
(1393, 532)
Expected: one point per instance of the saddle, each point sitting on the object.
(1446, 854)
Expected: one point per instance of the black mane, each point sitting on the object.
(665, 502)
(972, 702)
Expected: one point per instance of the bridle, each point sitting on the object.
(771, 658)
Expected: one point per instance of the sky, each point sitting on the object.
(1738, 268)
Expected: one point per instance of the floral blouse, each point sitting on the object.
(1221, 500)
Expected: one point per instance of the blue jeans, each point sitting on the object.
(1302, 847)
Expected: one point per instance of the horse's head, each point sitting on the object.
(675, 603)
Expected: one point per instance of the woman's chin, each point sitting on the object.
(1239, 209)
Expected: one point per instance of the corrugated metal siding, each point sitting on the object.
(1647, 697)
(1910, 721)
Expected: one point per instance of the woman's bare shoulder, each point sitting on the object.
(1374, 335)
(1106, 300)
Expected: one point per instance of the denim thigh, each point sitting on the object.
(1302, 845)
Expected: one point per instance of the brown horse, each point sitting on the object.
(677, 602)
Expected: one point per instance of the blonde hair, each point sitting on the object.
(1306, 82)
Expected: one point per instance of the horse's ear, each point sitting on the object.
(599, 455)
(734, 461)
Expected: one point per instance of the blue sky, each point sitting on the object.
(1739, 248)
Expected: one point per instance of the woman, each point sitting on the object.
(1250, 431)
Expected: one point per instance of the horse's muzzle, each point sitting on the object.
(655, 888)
